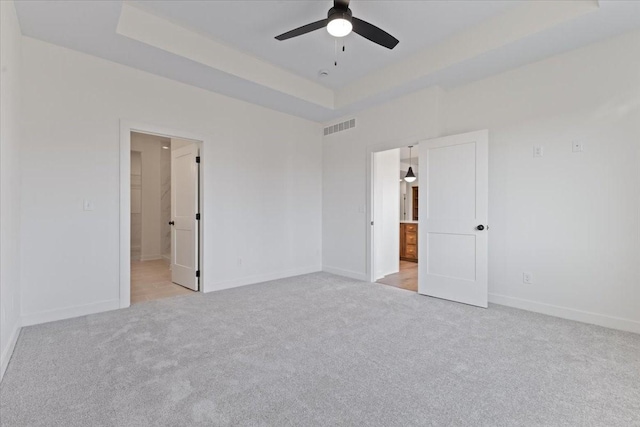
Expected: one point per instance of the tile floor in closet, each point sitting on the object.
(151, 280)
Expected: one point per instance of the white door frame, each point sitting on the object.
(370, 150)
(126, 127)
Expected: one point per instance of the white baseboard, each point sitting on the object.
(69, 312)
(166, 257)
(150, 257)
(5, 356)
(568, 313)
(345, 273)
(251, 280)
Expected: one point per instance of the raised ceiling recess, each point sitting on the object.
(229, 46)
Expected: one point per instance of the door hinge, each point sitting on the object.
(198, 217)
(197, 159)
(197, 273)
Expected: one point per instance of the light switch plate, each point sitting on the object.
(576, 146)
(88, 205)
(538, 151)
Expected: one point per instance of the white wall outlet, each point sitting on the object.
(88, 205)
(576, 146)
(538, 151)
(527, 278)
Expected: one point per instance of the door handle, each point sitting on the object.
(172, 223)
(480, 227)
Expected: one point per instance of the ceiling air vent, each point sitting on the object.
(339, 127)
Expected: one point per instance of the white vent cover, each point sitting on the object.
(339, 127)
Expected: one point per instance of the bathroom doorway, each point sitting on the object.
(395, 217)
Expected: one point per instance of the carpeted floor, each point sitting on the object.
(320, 350)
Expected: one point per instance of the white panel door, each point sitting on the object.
(453, 214)
(184, 206)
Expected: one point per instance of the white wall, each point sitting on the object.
(572, 219)
(265, 225)
(150, 148)
(136, 205)
(10, 89)
(386, 192)
(179, 143)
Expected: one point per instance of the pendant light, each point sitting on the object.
(410, 176)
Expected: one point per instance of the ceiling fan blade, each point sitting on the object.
(373, 33)
(303, 30)
(341, 4)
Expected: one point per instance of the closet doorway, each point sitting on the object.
(163, 217)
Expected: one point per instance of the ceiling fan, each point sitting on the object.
(340, 22)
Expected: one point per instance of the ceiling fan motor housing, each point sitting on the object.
(339, 13)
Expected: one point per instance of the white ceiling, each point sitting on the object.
(252, 25)
(446, 43)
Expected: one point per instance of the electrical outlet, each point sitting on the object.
(538, 151)
(576, 146)
(527, 278)
(88, 205)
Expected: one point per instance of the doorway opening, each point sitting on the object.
(395, 217)
(160, 215)
(450, 235)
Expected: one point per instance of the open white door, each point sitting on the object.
(184, 207)
(453, 218)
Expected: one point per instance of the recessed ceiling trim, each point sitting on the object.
(163, 34)
(480, 48)
(511, 26)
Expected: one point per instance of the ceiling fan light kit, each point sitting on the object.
(341, 22)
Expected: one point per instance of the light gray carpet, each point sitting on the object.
(321, 350)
